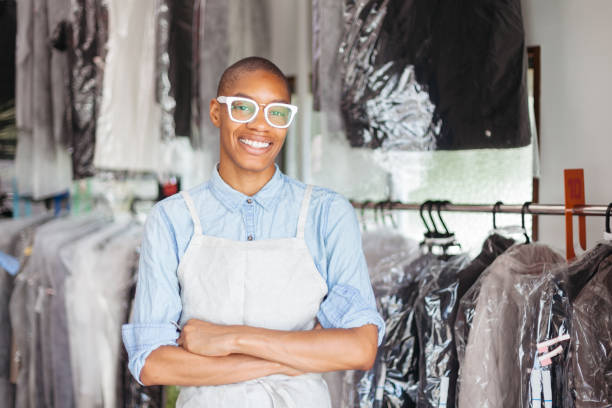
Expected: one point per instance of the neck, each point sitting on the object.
(247, 182)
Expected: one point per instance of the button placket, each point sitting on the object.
(250, 219)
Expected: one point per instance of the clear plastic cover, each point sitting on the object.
(423, 75)
(591, 332)
(500, 320)
(393, 381)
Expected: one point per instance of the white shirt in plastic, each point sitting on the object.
(128, 133)
(268, 283)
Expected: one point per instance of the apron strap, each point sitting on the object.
(197, 226)
(304, 212)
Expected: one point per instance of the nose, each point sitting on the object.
(259, 121)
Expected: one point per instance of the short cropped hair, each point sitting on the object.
(249, 64)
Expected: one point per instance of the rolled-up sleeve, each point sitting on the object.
(350, 300)
(157, 302)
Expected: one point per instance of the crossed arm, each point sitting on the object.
(210, 354)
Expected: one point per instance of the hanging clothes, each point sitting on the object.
(436, 310)
(87, 35)
(424, 76)
(490, 367)
(95, 302)
(42, 160)
(591, 383)
(393, 381)
(8, 31)
(15, 238)
(128, 129)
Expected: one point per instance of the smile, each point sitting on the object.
(254, 143)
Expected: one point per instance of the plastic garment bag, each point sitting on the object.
(42, 161)
(99, 275)
(488, 337)
(425, 75)
(544, 346)
(174, 65)
(591, 384)
(16, 236)
(86, 35)
(128, 132)
(393, 381)
(436, 309)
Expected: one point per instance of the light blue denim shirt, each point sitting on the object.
(332, 235)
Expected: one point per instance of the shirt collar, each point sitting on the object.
(233, 199)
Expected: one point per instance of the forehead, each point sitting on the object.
(261, 85)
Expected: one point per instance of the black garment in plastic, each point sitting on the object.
(8, 32)
(132, 394)
(181, 63)
(591, 382)
(435, 311)
(88, 36)
(432, 74)
(393, 381)
(547, 318)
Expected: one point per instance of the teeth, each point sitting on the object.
(253, 143)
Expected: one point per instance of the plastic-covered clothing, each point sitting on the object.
(174, 65)
(425, 75)
(88, 33)
(393, 381)
(8, 31)
(128, 132)
(592, 341)
(436, 309)
(16, 236)
(42, 161)
(99, 277)
(490, 346)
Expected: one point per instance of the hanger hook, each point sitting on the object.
(391, 204)
(378, 213)
(439, 204)
(430, 205)
(496, 209)
(524, 209)
(608, 211)
(423, 218)
(363, 208)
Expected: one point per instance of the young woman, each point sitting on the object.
(252, 283)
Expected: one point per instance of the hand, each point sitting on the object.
(207, 339)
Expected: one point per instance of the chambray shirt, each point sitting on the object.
(332, 236)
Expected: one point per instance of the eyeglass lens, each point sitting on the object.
(277, 115)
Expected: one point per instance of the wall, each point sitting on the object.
(576, 102)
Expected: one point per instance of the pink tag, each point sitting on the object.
(543, 346)
(545, 359)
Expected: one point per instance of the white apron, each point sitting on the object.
(272, 284)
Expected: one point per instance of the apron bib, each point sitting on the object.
(272, 284)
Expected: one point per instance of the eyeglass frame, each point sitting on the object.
(227, 100)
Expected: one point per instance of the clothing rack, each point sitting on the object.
(532, 209)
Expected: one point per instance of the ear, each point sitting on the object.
(215, 112)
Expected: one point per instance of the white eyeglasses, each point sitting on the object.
(244, 110)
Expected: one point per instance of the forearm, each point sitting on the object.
(170, 365)
(313, 350)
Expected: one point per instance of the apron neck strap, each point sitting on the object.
(304, 212)
(197, 226)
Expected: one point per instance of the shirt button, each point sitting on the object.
(249, 200)
(250, 237)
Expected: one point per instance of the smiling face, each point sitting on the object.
(250, 148)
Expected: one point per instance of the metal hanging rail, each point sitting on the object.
(532, 209)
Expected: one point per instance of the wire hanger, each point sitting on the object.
(524, 209)
(607, 232)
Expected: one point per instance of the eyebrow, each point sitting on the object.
(243, 95)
